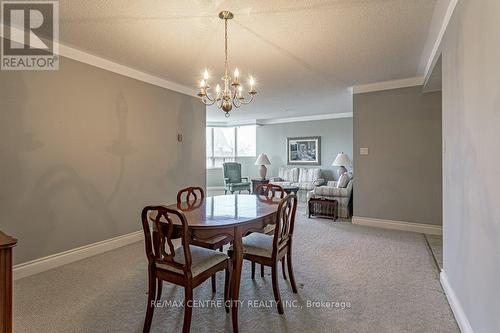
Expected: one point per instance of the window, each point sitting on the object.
(225, 144)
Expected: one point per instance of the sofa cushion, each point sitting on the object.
(328, 191)
(282, 184)
(343, 180)
(289, 174)
(309, 174)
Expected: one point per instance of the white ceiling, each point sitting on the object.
(304, 54)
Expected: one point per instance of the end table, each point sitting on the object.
(258, 181)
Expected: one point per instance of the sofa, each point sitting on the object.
(306, 179)
(332, 192)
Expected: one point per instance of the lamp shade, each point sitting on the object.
(262, 160)
(341, 160)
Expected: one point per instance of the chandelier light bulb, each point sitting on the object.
(217, 89)
(205, 74)
(236, 74)
(203, 84)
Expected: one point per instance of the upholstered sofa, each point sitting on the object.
(306, 179)
(342, 195)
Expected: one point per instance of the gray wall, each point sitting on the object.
(82, 150)
(471, 163)
(336, 136)
(400, 179)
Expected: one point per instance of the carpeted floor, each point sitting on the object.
(386, 279)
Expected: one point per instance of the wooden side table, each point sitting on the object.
(258, 181)
(6, 245)
(323, 208)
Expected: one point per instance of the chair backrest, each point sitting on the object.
(269, 191)
(289, 174)
(192, 195)
(285, 221)
(158, 225)
(232, 172)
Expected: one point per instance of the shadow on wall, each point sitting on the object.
(30, 201)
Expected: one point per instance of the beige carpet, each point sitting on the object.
(387, 279)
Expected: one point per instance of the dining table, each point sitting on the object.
(233, 216)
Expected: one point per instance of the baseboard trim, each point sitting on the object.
(398, 225)
(55, 260)
(456, 307)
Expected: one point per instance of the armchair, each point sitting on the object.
(232, 178)
(342, 195)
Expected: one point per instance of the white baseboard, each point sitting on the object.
(456, 307)
(398, 225)
(66, 257)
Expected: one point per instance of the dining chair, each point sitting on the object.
(185, 265)
(269, 249)
(192, 195)
(197, 194)
(269, 192)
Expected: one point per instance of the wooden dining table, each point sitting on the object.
(233, 216)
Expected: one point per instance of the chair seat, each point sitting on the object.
(258, 244)
(269, 229)
(202, 260)
(243, 184)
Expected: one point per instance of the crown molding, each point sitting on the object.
(112, 66)
(264, 122)
(388, 85)
(442, 20)
(304, 118)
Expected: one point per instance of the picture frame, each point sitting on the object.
(304, 150)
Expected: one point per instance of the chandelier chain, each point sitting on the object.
(225, 46)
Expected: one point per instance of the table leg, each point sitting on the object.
(237, 266)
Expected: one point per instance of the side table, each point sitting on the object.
(323, 208)
(258, 181)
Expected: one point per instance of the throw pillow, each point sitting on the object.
(343, 180)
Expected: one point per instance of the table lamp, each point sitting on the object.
(262, 160)
(341, 161)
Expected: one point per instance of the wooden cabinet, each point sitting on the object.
(6, 245)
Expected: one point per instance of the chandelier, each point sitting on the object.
(231, 94)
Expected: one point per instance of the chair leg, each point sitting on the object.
(276, 289)
(227, 289)
(225, 192)
(150, 308)
(261, 270)
(160, 288)
(283, 267)
(188, 308)
(290, 270)
(214, 285)
(253, 270)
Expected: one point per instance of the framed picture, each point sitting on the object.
(304, 150)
